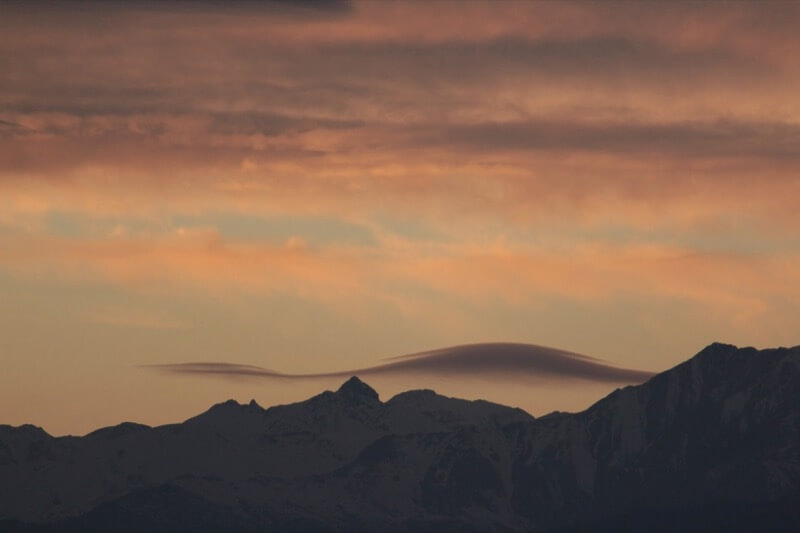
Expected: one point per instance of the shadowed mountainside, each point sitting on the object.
(712, 444)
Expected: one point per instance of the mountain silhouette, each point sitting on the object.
(712, 444)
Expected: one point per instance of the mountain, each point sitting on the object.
(712, 444)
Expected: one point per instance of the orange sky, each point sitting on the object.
(313, 188)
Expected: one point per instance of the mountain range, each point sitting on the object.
(712, 444)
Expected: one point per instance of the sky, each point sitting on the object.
(314, 187)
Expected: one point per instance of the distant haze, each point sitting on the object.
(312, 187)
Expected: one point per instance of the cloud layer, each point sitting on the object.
(506, 361)
(196, 180)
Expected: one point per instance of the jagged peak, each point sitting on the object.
(357, 390)
(227, 403)
(719, 347)
(233, 405)
(27, 429)
(714, 351)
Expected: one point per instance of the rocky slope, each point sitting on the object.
(712, 443)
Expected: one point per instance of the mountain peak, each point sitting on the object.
(357, 390)
(347, 461)
(719, 347)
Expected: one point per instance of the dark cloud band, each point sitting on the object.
(492, 360)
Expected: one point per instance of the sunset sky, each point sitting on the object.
(313, 187)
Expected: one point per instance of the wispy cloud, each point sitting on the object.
(738, 285)
(400, 174)
(137, 318)
(509, 361)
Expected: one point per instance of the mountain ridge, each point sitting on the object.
(717, 432)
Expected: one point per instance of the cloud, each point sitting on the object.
(544, 167)
(138, 318)
(512, 110)
(709, 140)
(737, 285)
(9, 129)
(577, 150)
(272, 7)
(489, 360)
(176, 138)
